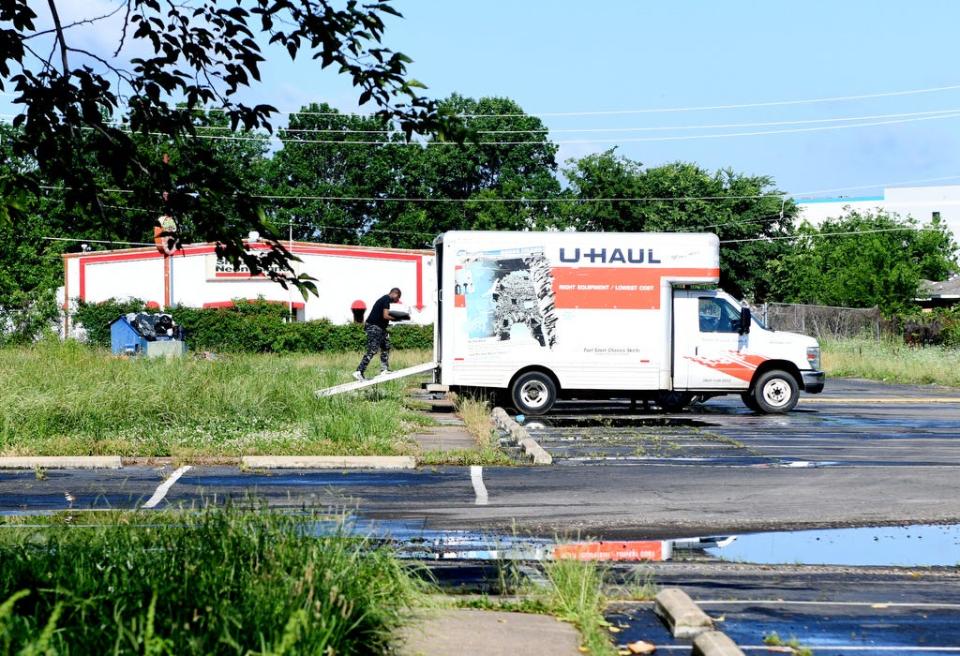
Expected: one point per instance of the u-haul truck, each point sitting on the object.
(546, 315)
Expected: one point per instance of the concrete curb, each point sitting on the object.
(521, 437)
(681, 615)
(60, 462)
(715, 643)
(328, 462)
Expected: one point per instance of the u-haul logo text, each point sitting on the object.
(609, 256)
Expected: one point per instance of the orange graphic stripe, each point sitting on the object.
(737, 365)
(632, 288)
(631, 550)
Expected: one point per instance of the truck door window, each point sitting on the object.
(717, 316)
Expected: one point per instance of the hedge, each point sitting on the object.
(250, 327)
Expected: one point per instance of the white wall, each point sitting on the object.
(355, 274)
(918, 202)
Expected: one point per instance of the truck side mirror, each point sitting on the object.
(744, 321)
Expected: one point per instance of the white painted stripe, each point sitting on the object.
(855, 648)
(833, 648)
(476, 477)
(879, 605)
(165, 487)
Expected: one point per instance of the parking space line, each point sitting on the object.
(164, 487)
(878, 605)
(857, 648)
(476, 477)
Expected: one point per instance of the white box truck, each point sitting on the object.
(548, 315)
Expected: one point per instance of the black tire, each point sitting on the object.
(674, 401)
(749, 401)
(776, 392)
(533, 393)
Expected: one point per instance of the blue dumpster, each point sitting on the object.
(147, 334)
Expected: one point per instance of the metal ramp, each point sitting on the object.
(361, 384)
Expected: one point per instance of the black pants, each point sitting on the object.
(378, 339)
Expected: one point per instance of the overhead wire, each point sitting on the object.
(689, 137)
(647, 110)
(659, 128)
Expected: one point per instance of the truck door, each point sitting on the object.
(709, 351)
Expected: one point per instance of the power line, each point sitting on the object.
(423, 144)
(648, 110)
(825, 234)
(100, 241)
(660, 128)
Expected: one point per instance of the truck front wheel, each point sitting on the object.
(533, 393)
(776, 392)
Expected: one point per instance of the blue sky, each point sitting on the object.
(570, 56)
(621, 55)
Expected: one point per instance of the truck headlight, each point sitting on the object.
(813, 357)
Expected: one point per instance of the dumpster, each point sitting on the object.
(145, 333)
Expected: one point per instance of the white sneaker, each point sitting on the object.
(384, 372)
(358, 376)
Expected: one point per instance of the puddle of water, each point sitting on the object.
(612, 422)
(412, 540)
(899, 546)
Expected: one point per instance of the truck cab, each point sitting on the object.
(719, 348)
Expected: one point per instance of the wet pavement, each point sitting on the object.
(853, 423)
(830, 610)
(861, 454)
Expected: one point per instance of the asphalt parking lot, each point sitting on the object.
(831, 610)
(853, 423)
(861, 454)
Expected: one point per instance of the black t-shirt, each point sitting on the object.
(376, 312)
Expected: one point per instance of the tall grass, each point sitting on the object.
(892, 361)
(219, 581)
(70, 399)
(575, 594)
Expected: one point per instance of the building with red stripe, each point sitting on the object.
(348, 279)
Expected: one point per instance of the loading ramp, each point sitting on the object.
(370, 382)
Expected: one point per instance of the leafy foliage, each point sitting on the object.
(251, 327)
(197, 55)
(864, 260)
(683, 197)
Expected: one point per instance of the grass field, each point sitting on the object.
(892, 362)
(69, 399)
(220, 581)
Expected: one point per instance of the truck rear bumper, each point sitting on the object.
(813, 381)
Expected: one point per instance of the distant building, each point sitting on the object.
(349, 279)
(921, 203)
(940, 294)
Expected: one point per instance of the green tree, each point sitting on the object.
(615, 193)
(491, 181)
(864, 260)
(202, 53)
(328, 155)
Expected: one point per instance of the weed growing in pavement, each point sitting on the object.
(476, 418)
(892, 361)
(218, 581)
(70, 399)
(638, 585)
(774, 640)
(575, 594)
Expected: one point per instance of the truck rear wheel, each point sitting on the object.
(533, 393)
(776, 392)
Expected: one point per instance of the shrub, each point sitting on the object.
(251, 327)
(941, 327)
